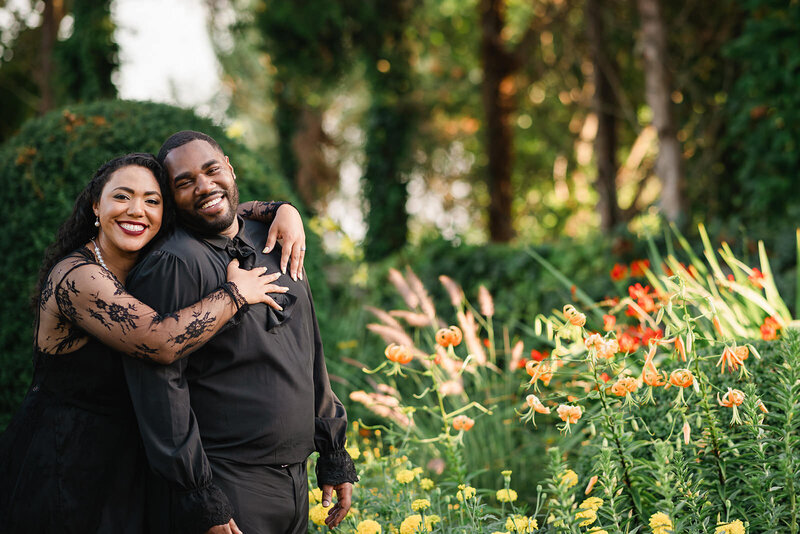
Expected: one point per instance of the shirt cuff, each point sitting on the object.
(198, 510)
(335, 467)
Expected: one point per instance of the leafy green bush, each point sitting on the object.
(49, 162)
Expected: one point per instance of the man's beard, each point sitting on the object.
(220, 223)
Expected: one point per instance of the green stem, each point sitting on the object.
(620, 453)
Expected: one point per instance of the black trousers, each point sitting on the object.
(266, 499)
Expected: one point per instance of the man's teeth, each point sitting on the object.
(132, 227)
(211, 203)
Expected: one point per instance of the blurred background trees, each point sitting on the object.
(479, 120)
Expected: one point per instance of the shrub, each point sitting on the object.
(43, 169)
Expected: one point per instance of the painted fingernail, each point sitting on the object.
(266, 249)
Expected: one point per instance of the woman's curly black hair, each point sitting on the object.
(79, 227)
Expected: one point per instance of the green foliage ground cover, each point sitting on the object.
(43, 169)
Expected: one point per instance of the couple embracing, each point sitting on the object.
(179, 383)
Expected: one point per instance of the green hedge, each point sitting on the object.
(43, 169)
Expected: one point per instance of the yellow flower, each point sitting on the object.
(521, 524)
(569, 478)
(506, 473)
(660, 523)
(592, 503)
(315, 495)
(353, 452)
(426, 484)
(420, 504)
(404, 476)
(735, 527)
(596, 530)
(368, 526)
(589, 516)
(318, 513)
(504, 495)
(413, 523)
(465, 493)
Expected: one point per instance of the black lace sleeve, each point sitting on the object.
(200, 509)
(90, 297)
(336, 467)
(262, 211)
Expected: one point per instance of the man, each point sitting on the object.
(231, 426)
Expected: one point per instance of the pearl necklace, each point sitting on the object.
(99, 256)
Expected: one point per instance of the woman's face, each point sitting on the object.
(130, 209)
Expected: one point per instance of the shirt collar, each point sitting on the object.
(221, 242)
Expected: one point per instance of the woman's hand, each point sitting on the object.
(288, 227)
(254, 284)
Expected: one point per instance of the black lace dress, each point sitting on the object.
(71, 459)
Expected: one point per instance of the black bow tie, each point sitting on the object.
(242, 251)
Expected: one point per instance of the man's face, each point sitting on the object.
(204, 186)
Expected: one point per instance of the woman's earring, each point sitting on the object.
(97, 222)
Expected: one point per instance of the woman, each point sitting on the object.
(70, 461)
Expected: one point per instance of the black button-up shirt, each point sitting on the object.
(257, 393)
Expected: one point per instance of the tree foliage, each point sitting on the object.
(77, 68)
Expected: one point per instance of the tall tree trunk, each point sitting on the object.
(604, 105)
(498, 91)
(668, 167)
(51, 18)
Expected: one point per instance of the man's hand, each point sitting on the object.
(228, 528)
(288, 227)
(339, 510)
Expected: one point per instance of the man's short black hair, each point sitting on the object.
(181, 138)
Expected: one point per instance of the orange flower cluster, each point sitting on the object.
(644, 297)
(536, 405)
(447, 337)
(650, 375)
(769, 330)
(540, 371)
(732, 358)
(569, 414)
(733, 397)
(462, 422)
(624, 386)
(604, 348)
(398, 353)
(637, 268)
(574, 316)
(682, 378)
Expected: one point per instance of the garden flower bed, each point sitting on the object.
(670, 417)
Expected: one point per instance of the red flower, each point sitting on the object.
(649, 334)
(638, 267)
(619, 272)
(604, 377)
(609, 321)
(628, 343)
(756, 277)
(769, 330)
(538, 356)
